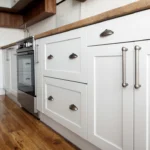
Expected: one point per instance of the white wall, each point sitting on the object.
(6, 3)
(72, 10)
(10, 35)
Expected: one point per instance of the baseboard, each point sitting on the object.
(70, 136)
(2, 92)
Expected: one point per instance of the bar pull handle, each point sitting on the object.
(50, 98)
(73, 107)
(124, 83)
(137, 83)
(73, 56)
(37, 57)
(107, 32)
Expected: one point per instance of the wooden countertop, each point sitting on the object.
(114, 13)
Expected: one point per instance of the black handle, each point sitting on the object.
(73, 107)
(50, 57)
(106, 33)
(50, 98)
(73, 56)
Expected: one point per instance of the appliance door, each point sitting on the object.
(25, 71)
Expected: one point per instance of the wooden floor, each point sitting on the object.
(21, 131)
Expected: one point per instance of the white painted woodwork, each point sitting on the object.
(110, 106)
(128, 28)
(66, 93)
(7, 56)
(61, 46)
(13, 71)
(142, 99)
(39, 75)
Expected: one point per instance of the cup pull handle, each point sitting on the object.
(107, 32)
(73, 107)
(73, 56)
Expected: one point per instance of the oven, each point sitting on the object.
(26, 75)
(25, 63)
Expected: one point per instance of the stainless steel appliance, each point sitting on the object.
(25, 73)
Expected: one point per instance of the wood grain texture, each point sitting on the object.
(21, 131)
(10, 20)
(121, 11)
(38, 10)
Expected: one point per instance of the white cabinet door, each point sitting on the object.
(64, 56)
(13, 71)
(66, 103)
(142, 96)
(110, 105)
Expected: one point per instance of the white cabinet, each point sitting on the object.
(6, 67)
(64, 56)
(118, 117)
(66, 103)
(10, 70)
(13, 71)
(142, 98)
(110, 113)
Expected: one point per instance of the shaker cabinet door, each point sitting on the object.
(142, 95)
(110, 96)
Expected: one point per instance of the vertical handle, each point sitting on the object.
(37, 58)
(137, 84)
(7, 58)
(124, 50)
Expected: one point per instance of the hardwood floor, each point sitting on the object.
(21, 131)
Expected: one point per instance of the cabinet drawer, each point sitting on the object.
(66, 103)
(128, 28)
(65, 56)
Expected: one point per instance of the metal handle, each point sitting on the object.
(28, 63)
(124, 50)
(107, 32)
(37, 58)
(73, 56)
(7, 57)
(50, 98)
(27, 78)
(50, 57)
(73, 107)
(137, 84)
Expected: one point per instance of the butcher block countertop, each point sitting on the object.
(114, 13)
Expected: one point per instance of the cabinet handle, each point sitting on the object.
(73, 56)
(37, 50)
(106, 33)
(50, 57)
(28, 63)
(73, 107)
(124, 50)
(50, 98)
(27, 78)
(137, 84)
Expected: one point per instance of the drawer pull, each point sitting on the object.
(50, 57)
(27, 78)
(73, 56)
(28, 63)
(73, 107)
(50, 98)
(106, 33)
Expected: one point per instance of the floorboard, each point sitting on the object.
(19, 130)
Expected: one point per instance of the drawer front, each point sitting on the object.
(66, 103)
(65, 56)
(128, 28)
